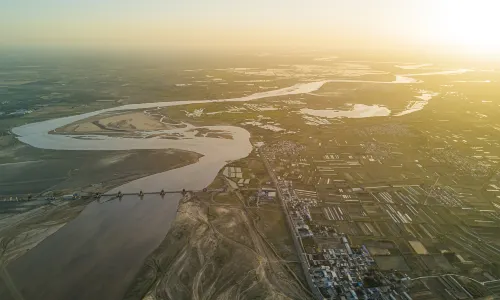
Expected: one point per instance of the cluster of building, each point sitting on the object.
(285, 148)
(350, 273)
(337, 271)
(341, 197)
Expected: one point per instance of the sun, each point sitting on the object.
(467, 26)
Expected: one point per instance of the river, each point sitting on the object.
(97, 255)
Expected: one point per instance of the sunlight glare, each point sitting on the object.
(469, 25)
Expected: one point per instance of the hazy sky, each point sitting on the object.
(203, 23)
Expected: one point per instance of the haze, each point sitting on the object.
(259, 24)
(258, 149)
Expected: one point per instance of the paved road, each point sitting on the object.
(295, 238)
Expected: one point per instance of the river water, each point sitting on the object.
(97, 255)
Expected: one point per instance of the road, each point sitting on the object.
(295, 237)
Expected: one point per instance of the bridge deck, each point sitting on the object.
(145, 193)
(159, 193)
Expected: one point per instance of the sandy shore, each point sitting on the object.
(126, 122)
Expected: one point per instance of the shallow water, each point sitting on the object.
(357, 111)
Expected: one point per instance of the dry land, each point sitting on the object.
(219, 247)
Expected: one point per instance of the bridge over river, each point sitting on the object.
(161, 193)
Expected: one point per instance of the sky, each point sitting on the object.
(450, 24)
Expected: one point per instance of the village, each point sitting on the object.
(402, 239)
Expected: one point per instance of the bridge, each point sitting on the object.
(162, 193)
(143, 193)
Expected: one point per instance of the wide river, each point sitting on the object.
(97, 255)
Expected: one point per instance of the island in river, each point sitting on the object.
(98, 254)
